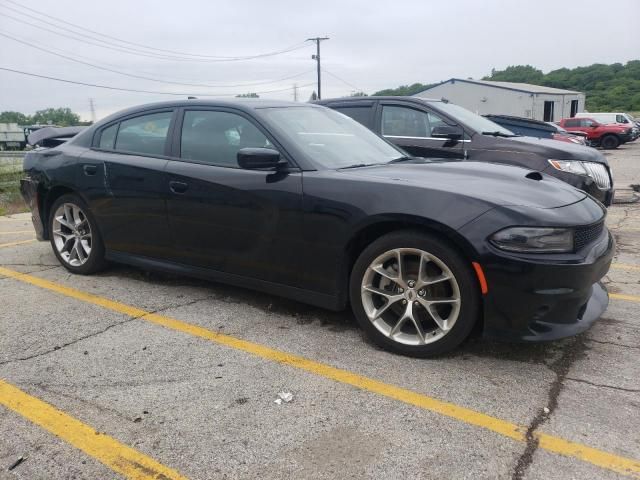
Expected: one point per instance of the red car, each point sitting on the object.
(599, 134)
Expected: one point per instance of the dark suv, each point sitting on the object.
(438, 129)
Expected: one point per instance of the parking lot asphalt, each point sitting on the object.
(142, 375)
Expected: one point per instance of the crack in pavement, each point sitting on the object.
(600, 385)
(613, 343)
(100, 332)
(65, 345)
(575, 349)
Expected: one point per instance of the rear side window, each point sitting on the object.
(215, 137)
(359, 114)
(572, 123)
(108, 137)
(146, 134)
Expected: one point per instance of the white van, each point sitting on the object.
(615, 117)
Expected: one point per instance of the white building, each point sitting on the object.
(508, 98)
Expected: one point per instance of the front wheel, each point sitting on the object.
(74, 236)
(609, 142)
(413, 294)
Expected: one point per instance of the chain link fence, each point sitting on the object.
(10, 175)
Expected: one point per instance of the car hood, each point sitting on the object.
(551, 149)
(499, 185)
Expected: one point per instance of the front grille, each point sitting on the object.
(599, 173)
(587, 234)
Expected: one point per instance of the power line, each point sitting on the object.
(342, 80)
(130, 51)
(108, 87)
(79, 27)
(132, 75)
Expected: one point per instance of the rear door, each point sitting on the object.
(223, 217)
(410, 128)
(125, 169)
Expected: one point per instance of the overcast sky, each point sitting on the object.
(373, 45)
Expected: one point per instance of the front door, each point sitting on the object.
(244, 222)
(411, 128)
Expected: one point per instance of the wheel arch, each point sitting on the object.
(367, 234)
(46, 198)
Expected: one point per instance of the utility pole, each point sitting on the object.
(316, 57)
(93, 110)
(295, 92)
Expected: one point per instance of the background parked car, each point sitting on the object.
(438, 129)
(536, 128)
(607, 136)
(620, 118)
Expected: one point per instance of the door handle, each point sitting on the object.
(90, 170)
(178, 187)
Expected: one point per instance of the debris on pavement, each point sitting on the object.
(16, 463)
(283, 396)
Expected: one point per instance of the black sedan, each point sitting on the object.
(302, 201)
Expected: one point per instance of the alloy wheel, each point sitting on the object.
(72, 234)
(411, 296)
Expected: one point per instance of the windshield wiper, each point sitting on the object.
(359, 165)
(498, 134)
(401, 159)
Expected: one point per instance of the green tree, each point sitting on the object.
(358, 94)
(14, 117)
(406, 90)
(63, 117)
(517, 73)
(248, 95)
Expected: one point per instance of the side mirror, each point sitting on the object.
(259, 159)
(447, 131)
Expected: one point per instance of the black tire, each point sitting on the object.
(467, 282)
(95, 260)
(610, 142)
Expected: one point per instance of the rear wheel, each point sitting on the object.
(610, 142)
(74, 236)
(413, 294)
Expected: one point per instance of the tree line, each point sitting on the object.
(63, 117)
(614, 87)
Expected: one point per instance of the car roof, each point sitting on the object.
(385, 97)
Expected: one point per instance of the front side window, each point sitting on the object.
(405, 122)
(146, 134)
(586, 123)
(215, 137)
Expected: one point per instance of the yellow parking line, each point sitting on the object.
(119, 457)
(558, 445)
(16, 232)
(620, 296)
(625, 266)
(13, 244)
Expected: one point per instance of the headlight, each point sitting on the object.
(534, 240)
(572, 166)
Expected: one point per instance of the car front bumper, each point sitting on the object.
(543, 300)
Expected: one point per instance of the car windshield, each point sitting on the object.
(476, 122)
(331, 139)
